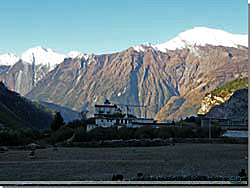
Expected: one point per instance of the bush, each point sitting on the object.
(203, 132)
(80, 135)
(31, 133)
(230, 87)
(61, 134)
(14, 138)
(126, 133)
(164, 132)
(75, 124)
(145, 132)
(102, 134)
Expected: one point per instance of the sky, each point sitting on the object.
(105, 26)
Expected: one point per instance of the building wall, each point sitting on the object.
(143, 120)
(105, 122)
(106, 110)
(113, 122)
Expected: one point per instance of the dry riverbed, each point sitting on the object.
(79, 164)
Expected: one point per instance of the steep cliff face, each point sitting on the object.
(18, 77)
(21, 74)
(203, 74)
(236, 108)
(147, 77)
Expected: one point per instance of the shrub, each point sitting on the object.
(102, 134)
(75, 124)
(126, 133)
(230, 87)
(145, 132)
(80, 135)
(203, 132)
(61, 134)
(14, 138)
(164, 132)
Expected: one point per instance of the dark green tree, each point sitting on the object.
(57, 122)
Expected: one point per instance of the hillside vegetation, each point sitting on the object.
(17, 111)
(230, 87)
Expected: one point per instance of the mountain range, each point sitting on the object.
(171, 78)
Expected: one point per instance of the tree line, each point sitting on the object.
(76, 131)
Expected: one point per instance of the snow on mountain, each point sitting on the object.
(200, 36)
(142, 46)
(74, 54)
(43, 56)
(187, 39)
(8, 59)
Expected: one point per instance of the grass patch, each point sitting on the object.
(231, 87)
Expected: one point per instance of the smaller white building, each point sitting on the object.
(106, 109)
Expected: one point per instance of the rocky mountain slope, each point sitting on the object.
(236, 108)
(148, 78)
(221, 94)
(171, 78)
(67, 114)
(17, 111)
(22, 73)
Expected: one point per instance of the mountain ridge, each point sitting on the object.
(190, 37)
(148, 78)
(143, 77)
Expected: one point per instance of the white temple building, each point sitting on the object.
(111, 115)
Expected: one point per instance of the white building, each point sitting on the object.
(110, 115)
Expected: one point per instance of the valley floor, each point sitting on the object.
(79, 164)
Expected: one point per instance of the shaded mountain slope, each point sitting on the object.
(236, 108)
(67, 114)
(17, 111)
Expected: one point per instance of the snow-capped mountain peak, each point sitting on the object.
(200, 36)
(74, 54)
(8, 59)
(43, 56)
(143, 46)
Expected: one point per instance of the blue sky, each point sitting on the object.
(104, 26)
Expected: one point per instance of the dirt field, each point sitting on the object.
(79, 164)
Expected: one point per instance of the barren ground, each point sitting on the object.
(79, 164)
